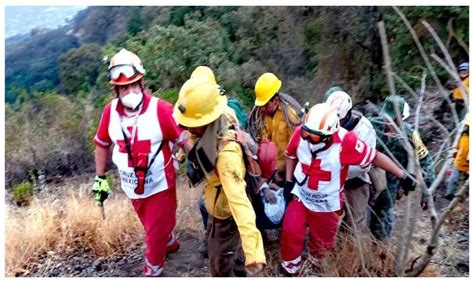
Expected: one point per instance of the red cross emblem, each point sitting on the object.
(139, 146)
(315, 173)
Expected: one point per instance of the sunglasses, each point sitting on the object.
(125, 70)
(313, 137)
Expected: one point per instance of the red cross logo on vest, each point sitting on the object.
(315, 173)
(139, 149)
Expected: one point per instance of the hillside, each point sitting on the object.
(304, 46)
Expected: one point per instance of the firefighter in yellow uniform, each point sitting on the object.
(280, 120)
(460, 169)
(234, 243)
(460, 103)
(273, 118)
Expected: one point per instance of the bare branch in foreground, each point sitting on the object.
(419, 264)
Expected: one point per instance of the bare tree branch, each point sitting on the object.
(415, 96)
(453, 34)
(464, 91)
(427, 61)
(420, 264)
(386, 57)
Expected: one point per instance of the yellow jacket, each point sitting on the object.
(461, 161)
(457, 95)
(232, 199)
(278, 131)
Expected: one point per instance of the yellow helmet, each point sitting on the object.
(204, 72)
(199, 103)
(266, 87)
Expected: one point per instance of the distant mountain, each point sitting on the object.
(20, 20)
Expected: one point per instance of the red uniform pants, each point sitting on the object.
(323, 227)
(157, 213)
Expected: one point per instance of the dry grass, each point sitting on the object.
(344, 260)
(188, 217)
(67, 224)
(73, 222)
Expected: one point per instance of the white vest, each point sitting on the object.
(365, 131)
(148, 136)
(327, 197)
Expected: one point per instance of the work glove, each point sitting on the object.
(287, 190)
(408, 183)
(269, 195)
(254, 269)
(101, 189)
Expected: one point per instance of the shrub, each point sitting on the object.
(23, 193)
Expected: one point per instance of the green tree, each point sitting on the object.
(406, 58)
(33, 64)
(170, 54)
(79, 68)
(135, 21)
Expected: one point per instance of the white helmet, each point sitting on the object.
(340, 101)
(322, 120)
(125, 68)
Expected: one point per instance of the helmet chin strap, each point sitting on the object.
(326, 146)
(347, 120)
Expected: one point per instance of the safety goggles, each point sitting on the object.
(313, 137)
(127, 71)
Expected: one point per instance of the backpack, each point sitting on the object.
(250, 155)
(239, 112)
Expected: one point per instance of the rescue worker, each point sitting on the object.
(318, 158)
(460, 168)
(330, 91)
(460, 104)
(233, 241)
(357, 185)
(273, 118)
(456, 95)
(382, 215)
(141, 131)
(206, 73)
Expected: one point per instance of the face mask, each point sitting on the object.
(132, 100)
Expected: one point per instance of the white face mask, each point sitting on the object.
(132, 100)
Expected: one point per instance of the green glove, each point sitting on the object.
(101, 189)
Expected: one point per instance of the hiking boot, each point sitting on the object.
(202, 249)
(285, 273)
(173, 247)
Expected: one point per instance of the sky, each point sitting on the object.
(22, 19)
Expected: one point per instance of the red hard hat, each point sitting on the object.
(267, 158)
